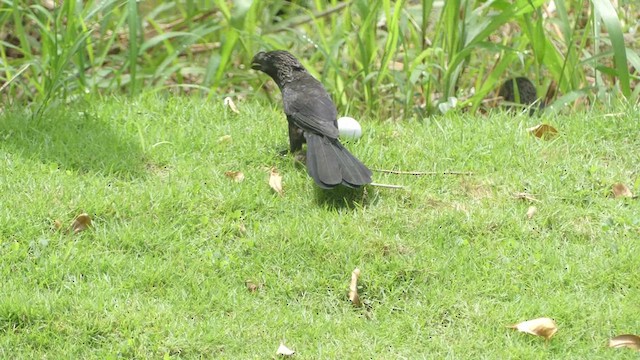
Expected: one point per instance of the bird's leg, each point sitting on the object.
(296, 138)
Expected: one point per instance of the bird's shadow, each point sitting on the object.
(73, 139)
(342, 197)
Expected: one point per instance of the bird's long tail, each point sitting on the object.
(331, 164)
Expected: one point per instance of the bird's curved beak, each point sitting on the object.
(256, 63)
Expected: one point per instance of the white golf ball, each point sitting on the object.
(349, 128)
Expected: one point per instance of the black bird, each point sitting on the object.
(520, 90)
(312, 118)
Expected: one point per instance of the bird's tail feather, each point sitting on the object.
(330, 164)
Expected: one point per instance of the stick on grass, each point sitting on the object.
(423, 173)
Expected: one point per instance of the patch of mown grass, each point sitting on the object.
(446, 264)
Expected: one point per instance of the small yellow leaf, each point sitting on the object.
(81, 223)
(353, 288)
(236, 176)
(284, 351)
(275, 181)
(228, 101)
(621, 190)
(545, 131)
(224, 139)
(531, 211)
(545, 327)
(627, 340)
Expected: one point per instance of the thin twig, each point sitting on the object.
(388, 186)
(422, 173)
(14, 76)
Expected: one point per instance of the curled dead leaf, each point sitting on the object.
(544, 131)
(627, 340)
(275, 181)
(228, 101)
(236, 176)
(252, 286)
(284, 351)
(80, 223)
(531, 211)
(544, 327)
(353, 288)
(621, 190)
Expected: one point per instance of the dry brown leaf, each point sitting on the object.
(525, 196)
(275, 181)
(236, 176)
(627, 340)
(545, 131)
(545, 327)
(251, 286)
(353, 288)
(284, 351)
(621, 190)
(57, 225)
(531, 211)
(224, 139)
(228, 101)
(81, 223)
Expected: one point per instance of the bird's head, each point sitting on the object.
(279, 64)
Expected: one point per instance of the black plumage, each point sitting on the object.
(520, 90)
(312, 118)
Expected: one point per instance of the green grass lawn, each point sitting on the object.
(447, 263)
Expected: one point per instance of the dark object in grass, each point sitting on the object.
(520, 90)
(312, 118)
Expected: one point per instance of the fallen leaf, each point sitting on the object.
(531, 211)
(275, 181)
(284, 351)
(525, 196)
(545, 131)
(396, 66)
(627, 340)
(353, 288)
(228, 101)
(224, 138)
(621, 190)
(236, 176)
(545, 327)
(251, 286)
(81, 223)
(57, 225)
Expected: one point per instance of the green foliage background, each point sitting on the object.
(386, 59)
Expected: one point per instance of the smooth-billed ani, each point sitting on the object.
(312, 118)
(520, 90)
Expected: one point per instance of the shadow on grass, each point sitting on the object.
(73, 139)
(343, 197)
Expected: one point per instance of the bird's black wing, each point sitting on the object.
(309, 106)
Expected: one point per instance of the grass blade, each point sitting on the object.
(609, 17)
